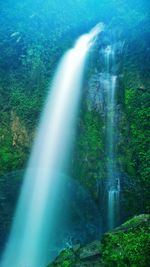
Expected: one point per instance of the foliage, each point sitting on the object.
(88, 163)
(135, 156)
(129, 246)
(126, 246)
(9, 190)
(66, 259)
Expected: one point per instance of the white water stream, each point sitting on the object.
(109, 84)
(113, 184)
(35, 214)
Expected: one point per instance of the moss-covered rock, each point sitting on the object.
(89, 255)
(127, 245)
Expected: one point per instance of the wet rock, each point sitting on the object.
(92, 250)
(142, 220)
(76, 248)
(127, 245)
(89, 255)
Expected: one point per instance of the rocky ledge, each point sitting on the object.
(127, 245)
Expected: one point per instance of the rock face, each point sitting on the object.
(77, 256)
(127, 245)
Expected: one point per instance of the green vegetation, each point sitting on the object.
(126, 246)
(129, 245)
(89, 147)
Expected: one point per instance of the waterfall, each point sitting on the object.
(35, 215)
(109, 83)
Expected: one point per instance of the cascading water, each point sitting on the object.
(35, 215)
(109, 80)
